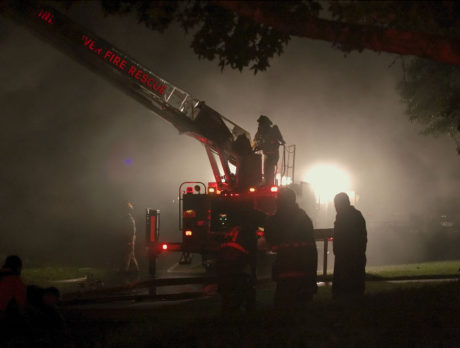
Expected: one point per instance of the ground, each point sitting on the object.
(392, 314)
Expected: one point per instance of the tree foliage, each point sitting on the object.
(218, 34)
(431, 91)
(249, 34)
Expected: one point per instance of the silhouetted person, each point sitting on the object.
(55, 324)
(236, 266)
(34, 311)
(46, 324)
(290, 233)
(129, 233)
(350, 239)
(12, 298)
(242, 146)
(268, 139)
(243, 150)
(12, 289)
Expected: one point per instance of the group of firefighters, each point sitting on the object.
(289, 233)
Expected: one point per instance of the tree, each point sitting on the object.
(248, 33)
(426, 29)
(431, 92)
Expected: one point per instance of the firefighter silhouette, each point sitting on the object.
(129, 230)
(350, 239)
(12, 300)
(236, 266)
(290, 234)
(268, 139)
(242, 149)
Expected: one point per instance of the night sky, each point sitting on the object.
(74, 148)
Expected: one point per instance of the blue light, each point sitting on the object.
(128, 161)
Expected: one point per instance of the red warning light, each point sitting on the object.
(164, 247)
(274, 189)
(190, 189)
(188, 233)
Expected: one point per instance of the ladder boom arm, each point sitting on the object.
(185, 112)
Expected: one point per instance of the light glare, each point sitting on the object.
(327, 180)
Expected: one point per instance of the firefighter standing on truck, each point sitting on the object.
(237, 261)
(268, 139)
(290, 234)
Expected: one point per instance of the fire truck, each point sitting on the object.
(205, 209)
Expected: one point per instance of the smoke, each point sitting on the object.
(74, 148)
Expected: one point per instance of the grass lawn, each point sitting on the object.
(426, 269)
(45, 276)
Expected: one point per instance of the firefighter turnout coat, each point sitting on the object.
(290, 234)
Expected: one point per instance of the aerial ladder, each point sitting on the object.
(186, 113)
(203, 209)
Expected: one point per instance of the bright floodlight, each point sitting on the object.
(327, 180)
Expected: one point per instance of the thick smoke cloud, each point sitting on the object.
(74, 148)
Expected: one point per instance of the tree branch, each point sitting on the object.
(441, 49)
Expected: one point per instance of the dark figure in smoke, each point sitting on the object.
(47, 324)
(237, 261)
(290, 233)
(12, 299)
(268, 139)
(130, 233)
(350, 239)
(243, 151)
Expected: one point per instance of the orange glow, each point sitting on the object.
(252, 189)
(189, 213)
(188, 233)
(212, 190)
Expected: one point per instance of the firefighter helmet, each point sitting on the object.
(286, 197)
(341, 201)
(264, 120)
